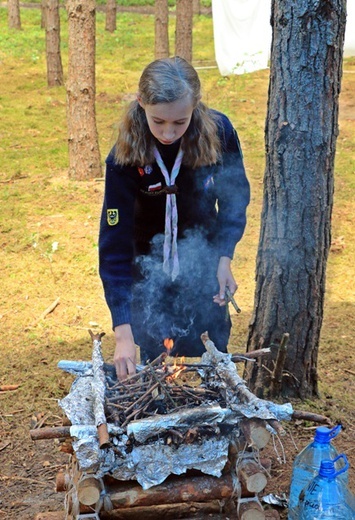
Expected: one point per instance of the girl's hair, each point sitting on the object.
(164, 81)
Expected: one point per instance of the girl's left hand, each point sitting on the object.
(225, 279)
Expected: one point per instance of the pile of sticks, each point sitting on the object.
(157, 389)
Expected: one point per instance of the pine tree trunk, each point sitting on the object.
(13, 14)
(301, 132)
(43, 13)
(54, 60)
(111, 14)
(161, 29)
(183, 34)
(196, 7)
(84, 154)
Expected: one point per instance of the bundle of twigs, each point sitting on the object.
(156, 389)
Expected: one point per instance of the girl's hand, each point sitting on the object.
(225, 279)
(124, 357)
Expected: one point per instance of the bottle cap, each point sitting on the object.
(325, 435)
(327, 467)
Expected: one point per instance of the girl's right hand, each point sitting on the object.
(125, 355)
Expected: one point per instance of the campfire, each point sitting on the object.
(172, 439)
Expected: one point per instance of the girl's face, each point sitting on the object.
(168, 121)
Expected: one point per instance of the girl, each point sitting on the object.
(174, 208)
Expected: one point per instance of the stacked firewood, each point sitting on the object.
(185, 391)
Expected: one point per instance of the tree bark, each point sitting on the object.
(196, 6)
(84, 153)
(111, 15)
(43, 13)
(161, 29)
(183, 33)
(301, 132)
(13, 14)
(53, 56)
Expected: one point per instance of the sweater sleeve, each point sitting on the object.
(233, 191)
(116, 240)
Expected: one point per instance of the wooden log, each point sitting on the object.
(251, 476)
(98, 390)
(255, 433)
(253, 354)
(55, 432)
(196, 510)
(62, 481)
(250, 509)
(89, 490)
(309, 416)
(202, 488)
(56, 515)
(104, 438)
(279, 429)
(227, 372)
(272, 514)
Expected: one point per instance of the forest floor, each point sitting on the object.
(28, 468)
(49, 227)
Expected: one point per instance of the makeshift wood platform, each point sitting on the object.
(163, 445)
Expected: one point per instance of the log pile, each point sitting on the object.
(171, 441)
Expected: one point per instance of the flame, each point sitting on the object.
(168, 344)
(176, 368)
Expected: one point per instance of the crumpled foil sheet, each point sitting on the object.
(151, 427)
(150, 463)
(98, 384)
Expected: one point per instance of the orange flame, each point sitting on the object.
(168, 344)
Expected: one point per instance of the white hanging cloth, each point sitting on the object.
(242, 35)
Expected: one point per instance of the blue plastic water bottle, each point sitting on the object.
(327, 497)
(307, 463)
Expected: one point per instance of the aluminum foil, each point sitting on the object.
(149, 459)
(153, 463)
(98, 383)
(153, 426)
(150, 464)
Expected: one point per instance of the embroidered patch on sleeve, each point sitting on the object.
(112, 217)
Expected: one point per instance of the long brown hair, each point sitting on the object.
(164, 81)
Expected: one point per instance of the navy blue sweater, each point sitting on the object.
(211, 199)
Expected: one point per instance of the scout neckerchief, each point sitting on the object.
(171, 216)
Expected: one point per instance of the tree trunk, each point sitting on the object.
(183, 33)
(301, 131)
(54, 60)
(43, 13)
(196, 6)
(13, 14)
(161, 29)
(84, 153)
(111, 13)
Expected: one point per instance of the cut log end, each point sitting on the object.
(252, 477)
(250, 510)
(89, 491)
